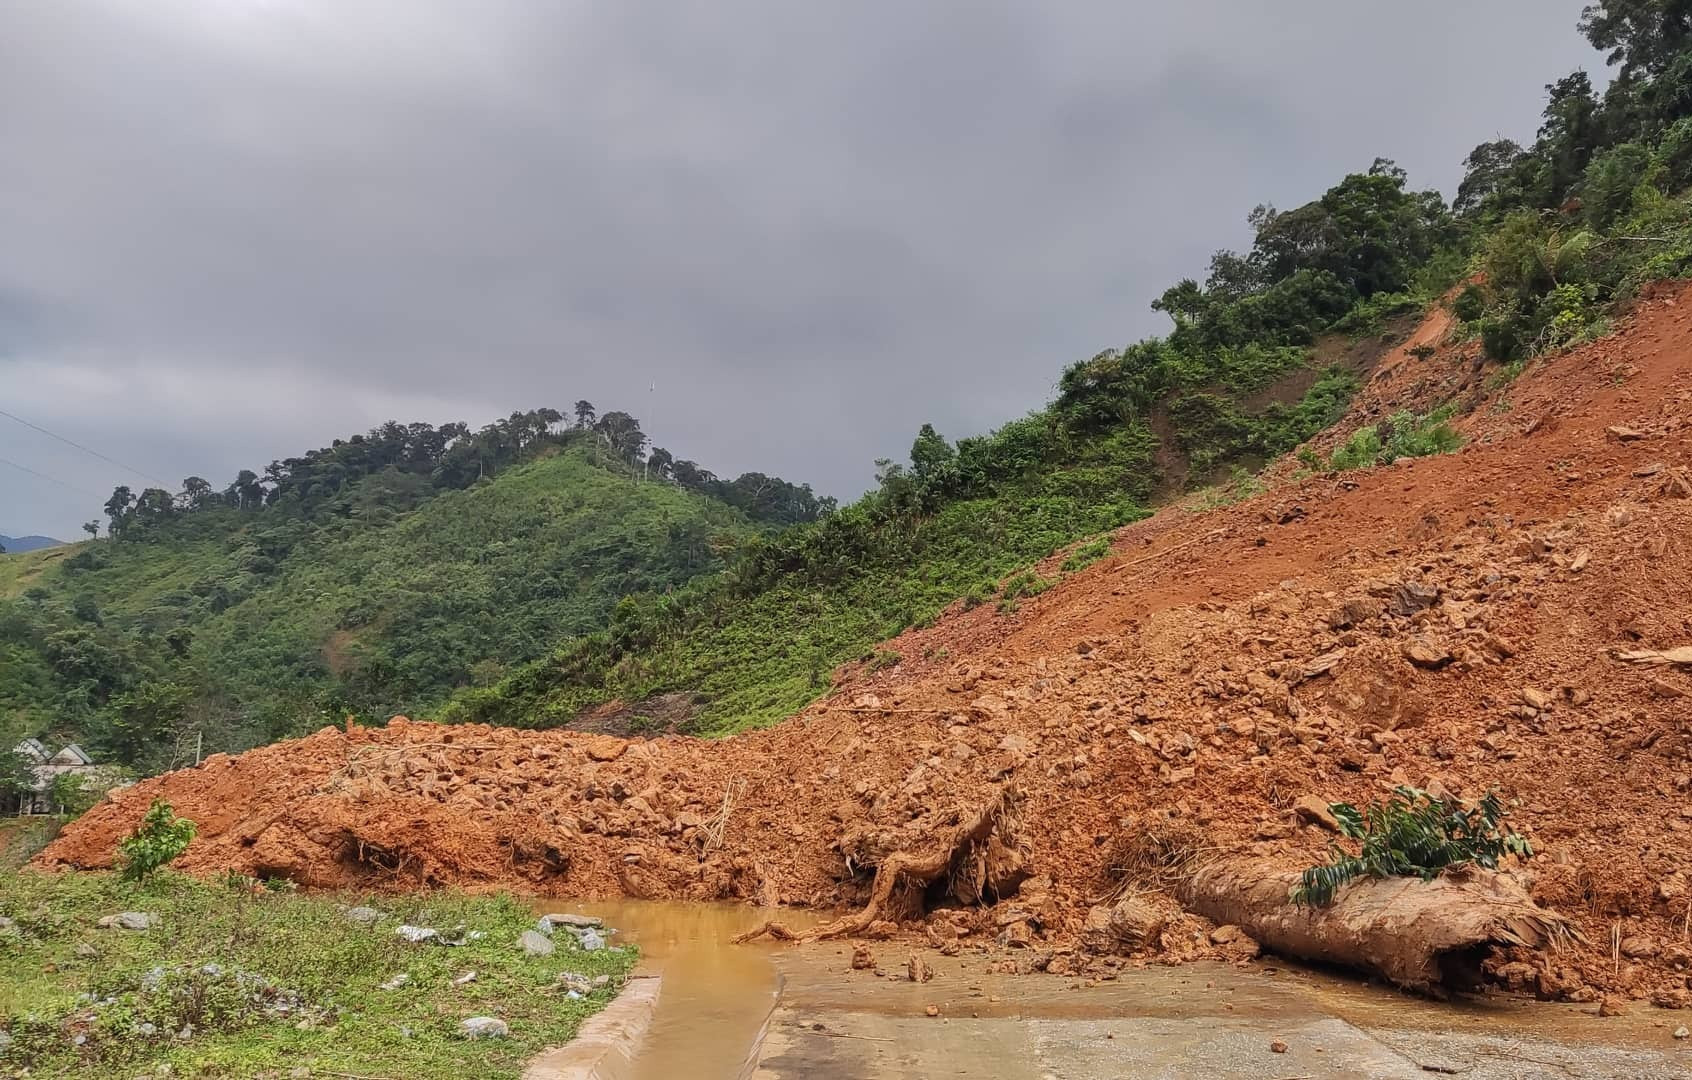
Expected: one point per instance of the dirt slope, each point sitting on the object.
(1452, 622)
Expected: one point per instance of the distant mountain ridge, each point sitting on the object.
(16, 545)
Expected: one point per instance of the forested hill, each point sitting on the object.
(372, 576)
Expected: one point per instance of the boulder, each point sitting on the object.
(535, 943)
(1125, 926)
(129, 920)
(416, 934)
(484, 1027)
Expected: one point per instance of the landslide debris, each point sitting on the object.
(1508, 618)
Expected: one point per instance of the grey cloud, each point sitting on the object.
(784, 235)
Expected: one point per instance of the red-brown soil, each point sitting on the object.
(1450, 622)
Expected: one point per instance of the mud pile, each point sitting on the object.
(1501, 619)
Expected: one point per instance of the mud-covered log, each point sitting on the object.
(1427, 936)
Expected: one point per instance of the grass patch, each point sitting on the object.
(1402, 435)
(1087, 554)
(272, 981)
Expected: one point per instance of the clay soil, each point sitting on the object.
(1461, 623)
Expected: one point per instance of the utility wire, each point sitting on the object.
(49, 479)
(79, 446)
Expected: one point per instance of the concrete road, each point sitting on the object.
(1258, 1022)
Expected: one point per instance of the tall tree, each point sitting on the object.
(117, 507)
(584, 414)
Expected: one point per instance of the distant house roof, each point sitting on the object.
(33, 750)
(72, 754)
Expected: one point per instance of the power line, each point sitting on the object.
(49, 479)
(79, 446)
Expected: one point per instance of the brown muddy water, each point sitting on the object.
(775, 1011)
(714, 996)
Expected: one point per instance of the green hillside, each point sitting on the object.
(247, 625)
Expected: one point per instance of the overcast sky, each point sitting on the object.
(782, 234)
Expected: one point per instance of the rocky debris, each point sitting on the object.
(129, 920)
(363, 916)
(535, 943)
(863, 959)
(917, 969)
(416, 935)
(484, 1027)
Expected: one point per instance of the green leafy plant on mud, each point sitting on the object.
(1411, 834)
(160, 837)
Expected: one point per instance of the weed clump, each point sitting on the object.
(1412, 833)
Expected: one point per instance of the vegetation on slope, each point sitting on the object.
(359, 579)
(242, 980)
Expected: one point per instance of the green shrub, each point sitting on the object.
(1402, 435)
(160, 837)
(1470, 304)
(1410, 834)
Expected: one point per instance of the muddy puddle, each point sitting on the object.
(715, 996)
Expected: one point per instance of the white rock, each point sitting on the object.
(484, 1027)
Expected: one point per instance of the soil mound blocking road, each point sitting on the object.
(1505, 618)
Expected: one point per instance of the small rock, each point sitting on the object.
(416, 934)
(932, 1010)
(863, 959)
(465, 979)
(1425, 654)
(1611, 1006)
(572, 982)
(129, 920)
(1681, 1032)
(85, 951)
(591, 940)
(580, 922)
(1537, 700)
(1315, 811)
(606, 747)
(484, 1027)
(1226, 935)
(1277, 1047)
(7, 925)
(363, 916)
(396, 982)
(916, 970)
(535, 943)
(1623, 433)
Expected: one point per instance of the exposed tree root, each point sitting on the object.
(902, 869)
